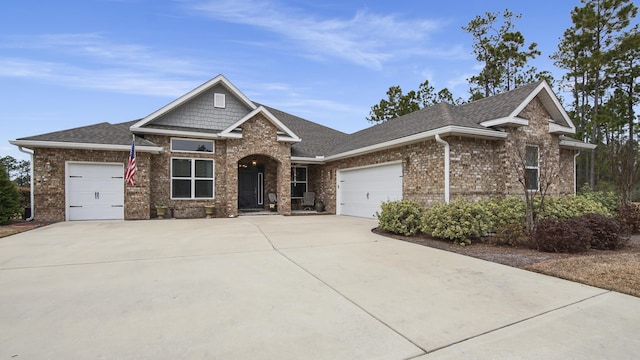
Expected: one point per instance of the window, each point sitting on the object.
(532, 168)
(219, 100)
(188, 145)
(298, 181)
(191, 178)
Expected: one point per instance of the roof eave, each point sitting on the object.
(153, 131)
(506, 122)
(83, 146)
(447, 130)
(308, 160)
(559, 129)
(569, 144)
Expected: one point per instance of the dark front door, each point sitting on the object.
(249, 188)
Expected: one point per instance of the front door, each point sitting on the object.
(250, 187)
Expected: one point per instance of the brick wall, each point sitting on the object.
(479, 169)
(49, 181)
(259, 137)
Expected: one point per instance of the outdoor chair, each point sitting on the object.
(273, 201)
(308, 201)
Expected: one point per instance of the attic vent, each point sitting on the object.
(219, 100)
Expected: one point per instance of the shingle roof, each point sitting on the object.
(102, 133)
(468, 115)
(319, 140)
(316, 139)
(497, 106)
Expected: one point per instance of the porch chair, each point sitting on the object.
(273, 201)
(308, 200)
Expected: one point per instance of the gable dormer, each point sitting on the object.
(559, 121)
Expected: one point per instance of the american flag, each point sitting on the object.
(131, 166)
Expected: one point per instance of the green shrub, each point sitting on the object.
(505, 212)
(569, 207)
(562, 235)
(9, 198)
(459, 221)
(400, 217)
(607, 233)
(608, 199)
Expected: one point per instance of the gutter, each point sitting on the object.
(575, 173)
(447, 161)
(84, 146)
(31, 182)
(446, 130)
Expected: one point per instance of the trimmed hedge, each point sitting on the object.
(400, 217)
(459, 221)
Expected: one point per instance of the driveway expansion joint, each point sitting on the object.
(605, 292)
(344, 296)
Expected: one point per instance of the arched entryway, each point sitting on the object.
(257, 177)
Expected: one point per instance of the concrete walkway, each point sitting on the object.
(272, 287)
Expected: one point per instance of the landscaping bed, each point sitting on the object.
(616, 270)
(16, 227)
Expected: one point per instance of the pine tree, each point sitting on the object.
(9, 197)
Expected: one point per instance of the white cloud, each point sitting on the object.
(366, 39)
(91, 61)
(116, 80)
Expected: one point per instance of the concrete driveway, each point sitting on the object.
(272, 287)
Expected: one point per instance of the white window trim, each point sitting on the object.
(219, 100)
(537, 168)
(213, 145)
(306, 182)
(193, 179)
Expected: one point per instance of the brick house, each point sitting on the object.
(214, 146)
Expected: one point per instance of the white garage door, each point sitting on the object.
(95, 191)
(361, 191)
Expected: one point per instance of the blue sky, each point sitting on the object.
(65, 64)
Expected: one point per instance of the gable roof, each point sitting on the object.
(218, 80)
(313, 142)
(504, 109)
(482, 118)
(287, 135)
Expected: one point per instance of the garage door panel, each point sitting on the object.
(95, 191)
(362, 191)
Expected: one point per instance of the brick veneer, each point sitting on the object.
(259, 141)
(49, 180)
(479, 169)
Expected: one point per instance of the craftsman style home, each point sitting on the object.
(213, 147)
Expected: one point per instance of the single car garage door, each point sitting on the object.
(95, 191)
(361, 191)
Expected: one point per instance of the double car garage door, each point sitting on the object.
(361, 191)
(94, 191)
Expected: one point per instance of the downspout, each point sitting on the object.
(575, 173)
(31, 181)
(447, 182)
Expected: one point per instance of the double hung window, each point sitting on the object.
(532, 168)
(298, 181)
